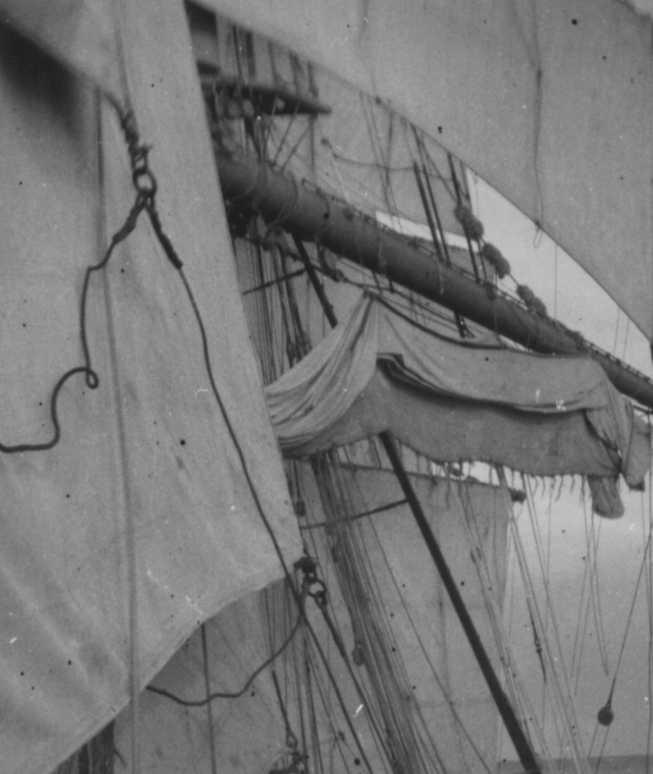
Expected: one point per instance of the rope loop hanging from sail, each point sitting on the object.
(145, 184)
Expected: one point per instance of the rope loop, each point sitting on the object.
(146, 187)
(92, 379)
(144, 181)
(142, 177)
(318, 592)
(312, 586)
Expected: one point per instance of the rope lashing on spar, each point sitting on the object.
(531, 301)
(493, 256)
(473, 230)
(471, 225)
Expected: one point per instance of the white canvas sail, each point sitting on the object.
(139, 523)
(360, 151)
(82, 35)
(443, 681)
(135, 52)
(550, 103)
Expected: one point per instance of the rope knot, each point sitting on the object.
(146, 186)
(531, 301)
(142, 177)
(496, 259)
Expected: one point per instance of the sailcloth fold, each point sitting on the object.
(542, 415)
(139, 523)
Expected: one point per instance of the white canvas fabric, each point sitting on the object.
(549, 102)
(248, 732)
(82, 35)
(139, 524)
(379, 371)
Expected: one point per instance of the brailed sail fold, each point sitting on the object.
(380, 371)
(139, 523)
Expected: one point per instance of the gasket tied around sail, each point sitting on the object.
(380, 371)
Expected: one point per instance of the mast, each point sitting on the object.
(510, 720)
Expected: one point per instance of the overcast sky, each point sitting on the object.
(576, 300)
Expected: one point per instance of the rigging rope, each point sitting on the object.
(584, 604)
(427, 749)
(92, 378)
(367, 613)
(146, 187)
(293, 330)
(380, 157)
(557, 670)
(460, 726)
(605, 713)
(370, 621)
(235, 693)
(514, 681)
(207, 689)
(595, 593)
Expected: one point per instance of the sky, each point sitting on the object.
(563, 524)
(575, 299)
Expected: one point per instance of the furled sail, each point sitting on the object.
(381, 371)
(138, 522)
(445, 695)
(548, 102)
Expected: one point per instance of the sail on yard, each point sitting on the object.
(362, 563)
